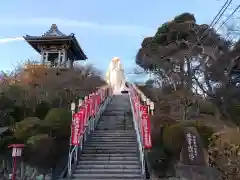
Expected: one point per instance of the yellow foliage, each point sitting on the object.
(224, 152)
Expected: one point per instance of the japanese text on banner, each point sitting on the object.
(147, 142)
(75, 130)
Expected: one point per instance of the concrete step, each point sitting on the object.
(108, 158)
(114, 124)
(114, 131)
(89, 178)
(123, 144)
(106, 133)
(113, 137)
(108, 166)
(103, 140)
(99, 140)
(117, 132)
(116, 108)
(110, 150)
(107, 162)
(111, 143)
(113, 134)
(107, 176)
(108, 171)
(105, 114)
(131, 148)
(109, 155)
(119, 126)
(117, 141)
(122, 125)
(120, 122)
(114, 128)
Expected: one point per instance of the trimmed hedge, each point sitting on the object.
(173, 135)
(58, 121)
(206, 107)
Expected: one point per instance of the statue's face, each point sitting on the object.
(114, 63)
(115, 60)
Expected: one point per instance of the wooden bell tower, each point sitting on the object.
(57, 49)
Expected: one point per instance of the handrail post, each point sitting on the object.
(73, 108)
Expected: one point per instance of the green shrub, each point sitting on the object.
(206, 107)
(205, 133)
(5, 141)
(234, 111)
(173, 135)
(224, 151)
(158, 161)
(184, 17)
(162, 29)
(34, 139)
(58, 120)
(7, 120)
(158, 122)
(18, 112)
(26, 128)
(36, 153)
(42, 110)
(173, 138)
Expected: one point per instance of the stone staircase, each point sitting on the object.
(111, 153)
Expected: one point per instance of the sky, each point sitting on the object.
(104, 28)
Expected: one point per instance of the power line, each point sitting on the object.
(220, 14)
(224, 22)
(212, 24)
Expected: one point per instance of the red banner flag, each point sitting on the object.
(92, 105)
(134, 106)
(101, 93)
(88, 112)
(146, 131)
(75, 130)
(84, 109)
(143, 109)
(97, 101)
(81, 116)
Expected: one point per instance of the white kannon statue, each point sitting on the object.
(115, 75)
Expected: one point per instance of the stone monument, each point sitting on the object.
(193, 150)
(193, 162)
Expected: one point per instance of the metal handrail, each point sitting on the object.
(74, 151)
(139, 138)
(134, 91)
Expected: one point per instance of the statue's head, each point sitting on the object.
(116, 60)
(115, 63)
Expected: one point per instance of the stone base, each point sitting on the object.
(118, 90)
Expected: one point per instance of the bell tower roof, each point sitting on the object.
(53, 31)
(54, 37)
